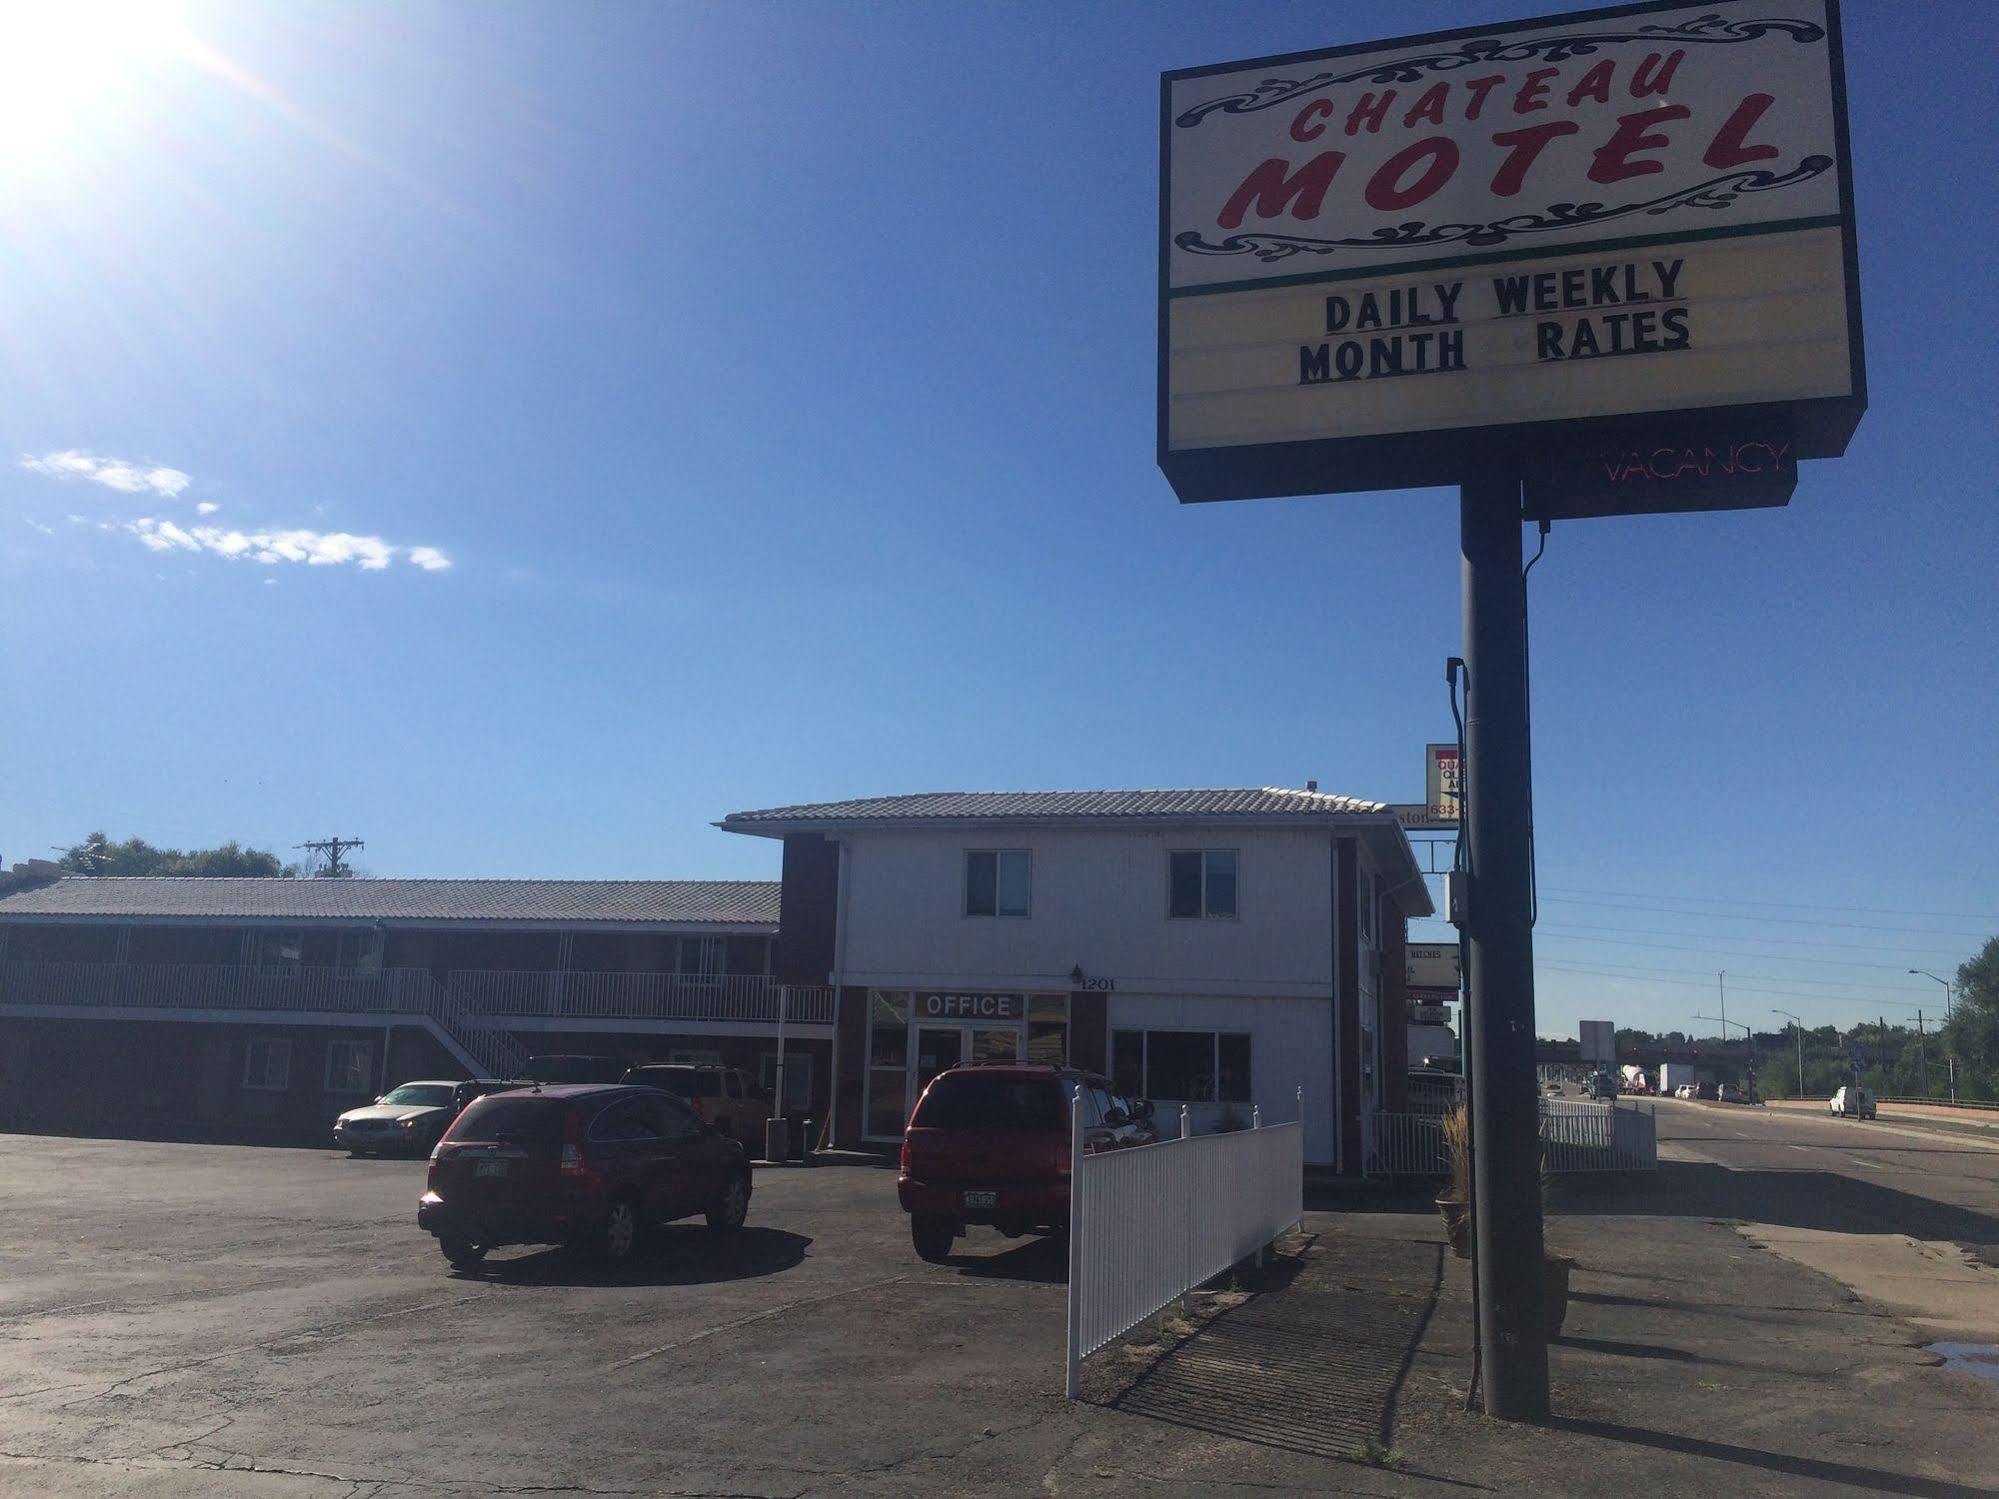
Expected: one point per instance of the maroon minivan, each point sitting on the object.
(588, 1165)
(989, 1143)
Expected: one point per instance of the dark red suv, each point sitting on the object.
(587, 1165)
(989, 1143)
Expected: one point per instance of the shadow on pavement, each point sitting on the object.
(1317, 1371)
(1809, 1199)
(1878, 1479)
(678, 1255)
(1043, 1259)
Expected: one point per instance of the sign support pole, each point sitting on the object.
(1506, 1123)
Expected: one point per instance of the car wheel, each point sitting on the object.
(732, 1207)
(620, 1234)
(932, 1236)
(463, 1253)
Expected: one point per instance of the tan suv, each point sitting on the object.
(723, 1097)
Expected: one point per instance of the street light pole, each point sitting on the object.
(1798, 1026)
(1950, 1057)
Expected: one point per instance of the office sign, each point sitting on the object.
(1433, 965)
(1443, 780)
(1384, 265)
(971, 1006)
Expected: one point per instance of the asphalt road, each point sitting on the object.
(221, 1320)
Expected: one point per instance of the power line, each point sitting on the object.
(1669, 931)
(1850, 926)
(1700, 979)
(1740, 952)
(1782, 905)
(1823, 999)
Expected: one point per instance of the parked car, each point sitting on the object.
(725, 1097)
(1553, 1090)
(561, 1067)
(409, 1118)
(1730, 1093)
(1686, 1090)
(1601, 1086)
(989, 1144)
(1851, 1102)
(586, 1165)
(1707, 1091)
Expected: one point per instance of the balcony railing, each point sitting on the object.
(474, 994)
(750, 998)
(213, 986)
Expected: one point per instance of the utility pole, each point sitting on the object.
(1923, 1053)
(332, 848)
(1499, 941)
(1798, 1026)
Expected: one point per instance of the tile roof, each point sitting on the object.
(1261, 804)
(526, 901)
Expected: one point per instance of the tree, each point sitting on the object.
(97, 854)
(1972, 1033)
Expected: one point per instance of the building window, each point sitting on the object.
(281, 953)
(998, 882)
(350, 1066)
(1201, 882)
(888, 1062)
(359, 954)
(1182, 1066)
(267, 1063)
(702, 957)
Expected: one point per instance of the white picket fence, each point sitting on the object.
(1575, 1138)
(1149, 1223)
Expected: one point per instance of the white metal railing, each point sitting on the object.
(1149, 1223)
(1575, 1138)
(752, 998)
(212, 986)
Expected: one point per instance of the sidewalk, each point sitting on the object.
(1690, 1357)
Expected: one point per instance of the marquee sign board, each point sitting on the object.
(1390, 265)
(1443, 783)
(1434, 965)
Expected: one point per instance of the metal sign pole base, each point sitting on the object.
(1506, 1123)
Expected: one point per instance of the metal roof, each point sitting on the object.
(1258, 804)
(527, 902)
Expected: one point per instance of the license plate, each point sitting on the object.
(981, 1199)
(489, 1168)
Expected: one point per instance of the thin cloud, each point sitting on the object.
(35, 525)
(206, 507)
(120, 474)
(313, 548)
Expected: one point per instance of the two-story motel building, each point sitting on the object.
(1222, 949)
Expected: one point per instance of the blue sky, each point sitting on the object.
(770, 390)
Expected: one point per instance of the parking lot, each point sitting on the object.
(170, 1309)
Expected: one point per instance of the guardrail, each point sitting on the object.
(1150, 1223)
(1941, 1103)
(1575, 1138)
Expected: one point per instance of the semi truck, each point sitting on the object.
(1673, 1075)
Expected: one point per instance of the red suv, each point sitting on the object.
(990, 1144)
(586, 1165)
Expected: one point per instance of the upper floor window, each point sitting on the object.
(280, 952)
(998, 882)
(359, 954)
(1201, 882)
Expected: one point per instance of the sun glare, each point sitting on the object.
(70, 68)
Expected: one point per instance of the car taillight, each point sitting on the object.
(694, 1107)
(903, 1162)
(573, 1163)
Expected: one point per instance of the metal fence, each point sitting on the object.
(1149, 1223)
(213, 986)
(1575, 1138)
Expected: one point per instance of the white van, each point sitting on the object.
(1852, 1103)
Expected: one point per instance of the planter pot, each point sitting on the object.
(1457, 1225)
(1555, 1292)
